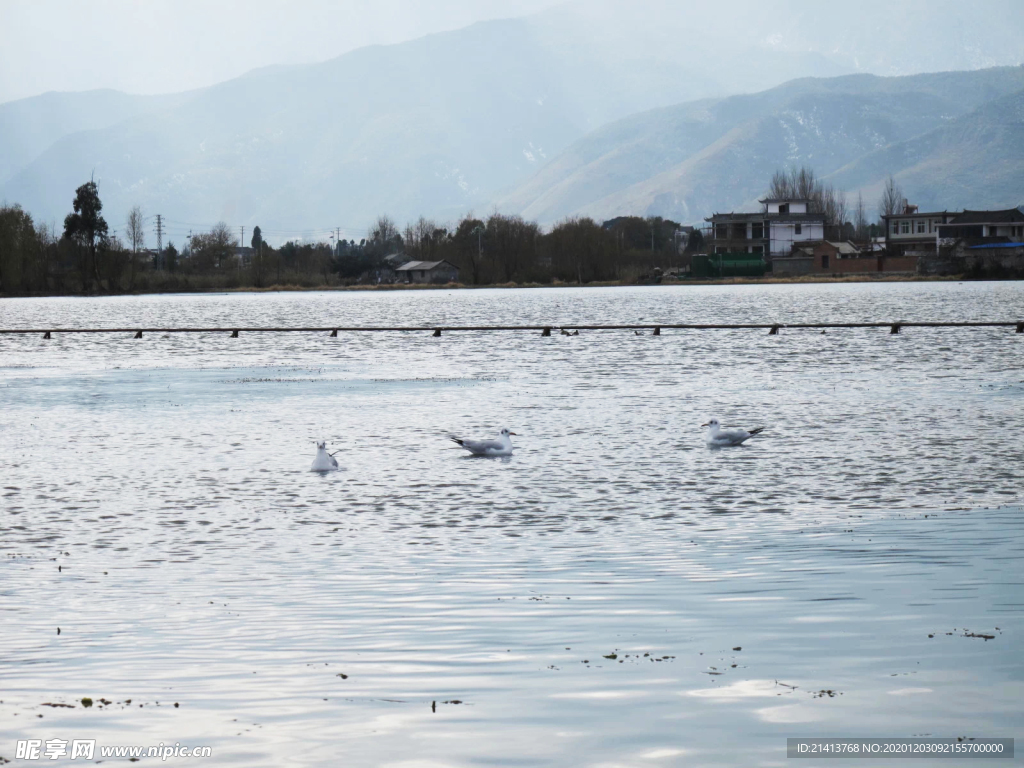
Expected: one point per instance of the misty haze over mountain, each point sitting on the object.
(584, 108)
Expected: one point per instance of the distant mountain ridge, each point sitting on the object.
(687, 161)
(517, 114)
(974, 161)
(435, 126)
(29, 126)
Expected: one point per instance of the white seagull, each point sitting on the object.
(324, 462)
(500, 447)
(719, 438)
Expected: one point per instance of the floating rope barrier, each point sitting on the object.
(545, 330)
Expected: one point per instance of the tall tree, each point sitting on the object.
(257, 255)
(135, 234)
(468, 244)
(384, 236)
(170, 256)
(21, 251)
(581, 250)
(512, 242)
(891, 201)
(87, 228)
(214, 249)
(860, 219)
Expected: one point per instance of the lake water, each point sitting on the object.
(614, 594)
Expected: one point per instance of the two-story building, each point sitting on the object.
(912, 231)
(984, 226)
(771, 232)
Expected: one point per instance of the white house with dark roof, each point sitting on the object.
(772, 232)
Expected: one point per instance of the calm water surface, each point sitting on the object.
(614, 594)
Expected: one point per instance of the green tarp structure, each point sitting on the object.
(728, 265)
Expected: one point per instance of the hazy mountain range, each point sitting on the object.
(567, 112)
(953, 140)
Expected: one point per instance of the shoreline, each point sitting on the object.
(293, 288)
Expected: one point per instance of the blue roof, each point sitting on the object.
(996, 245)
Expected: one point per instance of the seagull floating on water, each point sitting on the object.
(324, 462)
(720, 438)
(500, 447)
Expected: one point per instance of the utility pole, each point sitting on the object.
(159, 241)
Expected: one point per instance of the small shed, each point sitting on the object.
(428, 272)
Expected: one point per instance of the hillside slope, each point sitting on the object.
(689, 160)
(974, 161)
(463, 120)
(434, 126)
(29, 126)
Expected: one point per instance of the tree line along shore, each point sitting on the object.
(88, 257)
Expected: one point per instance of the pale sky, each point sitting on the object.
(163, 46)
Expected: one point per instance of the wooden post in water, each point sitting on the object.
(774, 331)
(657, 331)
(546, 332)
(437, 332)
(895, 329)
(334, 333)
(1020, 329)
(138, 334)
(234, 334)
(47, 334)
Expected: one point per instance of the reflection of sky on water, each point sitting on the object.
(206, 565)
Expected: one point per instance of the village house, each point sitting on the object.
(427, 272)
(912, 231)
(980, 242)
(984, 227)
(772, 232)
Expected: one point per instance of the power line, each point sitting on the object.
(277, 231)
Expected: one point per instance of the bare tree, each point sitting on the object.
(892, 198)
(423, 238)
(806, 185)
(135, 234)
(860, 219)
(513, 244)
(780, 187)
(832, 204)
(803, 184)
(384, 233)
(214, 249)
